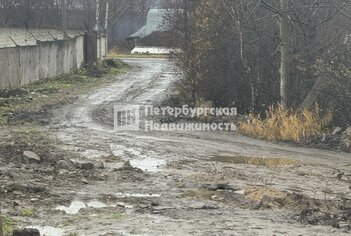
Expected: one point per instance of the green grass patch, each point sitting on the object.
(28, 212)
(9, 225)
(32, 98)
(117, 216)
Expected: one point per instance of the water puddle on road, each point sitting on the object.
(258, 161)
(48, 230)
(148, 164)
(76, 206)
(137, 195)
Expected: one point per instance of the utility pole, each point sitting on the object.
(97, 15)
(106, 15)
(284, 52)
(106, 25)
(64, 18)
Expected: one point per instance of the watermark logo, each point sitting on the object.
(127, 118)
(185, 118)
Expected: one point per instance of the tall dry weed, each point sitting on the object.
(289, 125)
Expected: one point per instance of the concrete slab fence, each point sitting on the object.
(25, 64)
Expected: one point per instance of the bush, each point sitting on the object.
(287, 125)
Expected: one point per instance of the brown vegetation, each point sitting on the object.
(281, 124)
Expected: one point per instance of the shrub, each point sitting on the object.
(287, 125)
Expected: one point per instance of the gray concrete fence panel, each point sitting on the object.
(25, 64)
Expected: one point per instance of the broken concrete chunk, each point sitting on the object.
(220, 186)
(128, 167)
(69, 163)
(155, 203)
(31, 155)
(87, 166)
(100, 165)
(85, 181)
(62, 165)
(127, 164)
(26, 232)
(66, 164)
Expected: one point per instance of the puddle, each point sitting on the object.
(140, 195)
(258, 161)
(96, 204)
(209, 195)
(148, 164)
(91, 154)
(133, 152)
(121, 151)
(136, 158)
(76, 206)
(48, 230)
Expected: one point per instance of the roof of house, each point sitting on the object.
(154, 22)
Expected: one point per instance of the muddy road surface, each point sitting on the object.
(188, 183)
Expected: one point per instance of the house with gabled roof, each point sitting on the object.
(152, 37)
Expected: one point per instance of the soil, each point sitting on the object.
(92, 180)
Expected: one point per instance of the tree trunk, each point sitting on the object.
(64, 18)
(97, 15)
(106, 23)
(318, 88)
(284, 52)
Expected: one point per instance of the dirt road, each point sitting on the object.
(192, 183)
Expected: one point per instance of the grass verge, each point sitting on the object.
(8, 225)
(287, 125)
(31, 103)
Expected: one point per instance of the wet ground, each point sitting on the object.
(187, 183)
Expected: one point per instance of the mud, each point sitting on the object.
(267, 162)
(175, 183)
(41, 117)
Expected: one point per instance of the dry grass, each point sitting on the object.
(287, 125)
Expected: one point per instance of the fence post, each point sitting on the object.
(1, 225)
(90, 48)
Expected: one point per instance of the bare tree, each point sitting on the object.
(258, 53)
